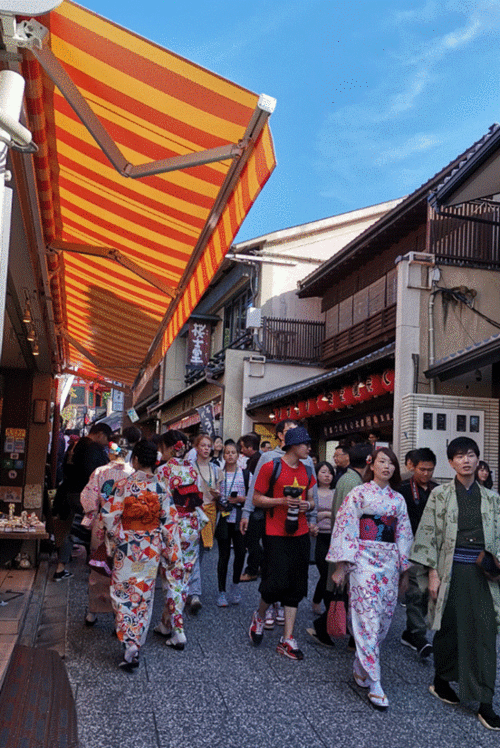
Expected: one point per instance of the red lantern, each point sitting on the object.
(388, 380)
(282, 414)
(336, 403)
(312, 407)
(322, 404)
(374, 385)
(361, 393)
(301, 412)
(347, 396)
(290, 412)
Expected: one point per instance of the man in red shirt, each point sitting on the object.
(284, 489)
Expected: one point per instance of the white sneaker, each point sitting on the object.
(222, 600)
(280, 615)
(235, 595)
(269, 619)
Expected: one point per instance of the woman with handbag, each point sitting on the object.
(92, 498)
(209, 483)
(371, 541)
(180, 478)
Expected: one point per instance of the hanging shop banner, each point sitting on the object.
(198, 344)
(206, 413)
(354, 424)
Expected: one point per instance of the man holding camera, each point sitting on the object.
(284, 489)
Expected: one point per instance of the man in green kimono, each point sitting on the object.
(460, 519)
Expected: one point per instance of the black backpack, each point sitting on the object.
(277, 471)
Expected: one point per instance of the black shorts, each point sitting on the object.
(285, 569)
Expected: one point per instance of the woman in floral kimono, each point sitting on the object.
(180, 478)
(141, 527)
(370, 542)
(93, 496)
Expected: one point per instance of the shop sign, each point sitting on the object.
(344, 426)
(198, 345)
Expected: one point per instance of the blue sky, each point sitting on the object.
(373, 98)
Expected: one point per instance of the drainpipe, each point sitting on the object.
(432, 341)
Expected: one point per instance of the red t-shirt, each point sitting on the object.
(276, 516)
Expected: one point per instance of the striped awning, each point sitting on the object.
(146, 169)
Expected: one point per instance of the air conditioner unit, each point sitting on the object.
(254, 317)
(421, 258)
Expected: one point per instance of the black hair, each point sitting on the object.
(265, 443)
(358, 455)
(171, 437)
(101, 428)
(330, 467)
(411, 456)
(281, 425)
(460, 446)
(145, 451)
(344, 447)
(423, 455)
(375, 432)
(488, 483)
(132, 434)
(395, 480)
(252, 441)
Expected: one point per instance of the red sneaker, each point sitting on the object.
(288, 648)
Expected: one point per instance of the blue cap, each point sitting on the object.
(298, 435)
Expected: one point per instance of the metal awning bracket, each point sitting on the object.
(27, 34)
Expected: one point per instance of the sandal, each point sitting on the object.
(360, 681)
(176, 641)
(379, 701)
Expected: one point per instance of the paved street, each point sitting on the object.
(222, 692)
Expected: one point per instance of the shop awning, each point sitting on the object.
(146, 169)
(476, 356)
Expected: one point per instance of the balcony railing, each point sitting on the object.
(467, 235)
(282, 340)
(361, 338)
(292, 340)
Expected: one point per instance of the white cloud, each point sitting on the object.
(416, 144)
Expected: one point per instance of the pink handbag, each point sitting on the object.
(336, 625)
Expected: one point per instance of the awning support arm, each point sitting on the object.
(30, 34)
(258, 121)
(121, 259)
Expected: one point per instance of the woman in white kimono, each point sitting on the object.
(141, 527)
(371, 541)
(93, 496)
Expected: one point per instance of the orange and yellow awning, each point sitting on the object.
(131, 248)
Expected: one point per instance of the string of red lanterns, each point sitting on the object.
(374, 386)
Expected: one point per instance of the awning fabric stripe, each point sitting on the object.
(154, 105)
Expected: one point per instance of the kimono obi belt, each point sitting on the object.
(142, 512)
(466, 555)
(376, 527)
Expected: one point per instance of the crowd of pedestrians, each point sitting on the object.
(153, 507)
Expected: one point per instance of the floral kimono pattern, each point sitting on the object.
(141, 528)
(436, 536)
(93, 496)
(374, 565)
(175, 473)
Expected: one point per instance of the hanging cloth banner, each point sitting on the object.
(206, 413)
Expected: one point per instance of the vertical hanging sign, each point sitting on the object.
(198, 347)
